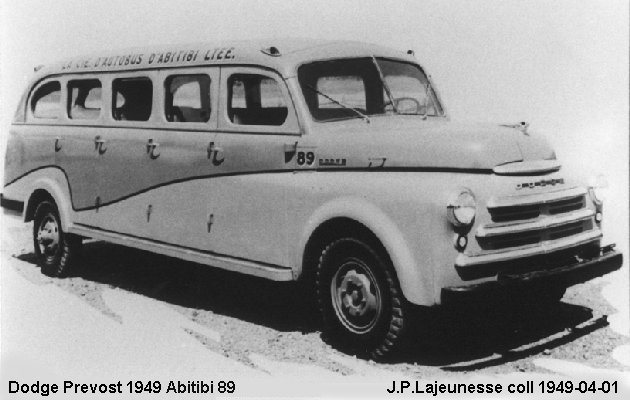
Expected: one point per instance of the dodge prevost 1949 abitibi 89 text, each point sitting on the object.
(328, 162)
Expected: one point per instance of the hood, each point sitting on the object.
(409, 141)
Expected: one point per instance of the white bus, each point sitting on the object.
(333, 163)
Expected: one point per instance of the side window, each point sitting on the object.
(255, 100)
(187, 98)
(132, 99)
(84, 99)
(46, 101)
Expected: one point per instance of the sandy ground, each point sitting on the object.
(133, 315)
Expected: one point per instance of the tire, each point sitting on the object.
(57, 252)
(359, 298)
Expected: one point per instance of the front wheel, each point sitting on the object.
(56, 250)
(359, 298)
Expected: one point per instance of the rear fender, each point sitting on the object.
(53, 181)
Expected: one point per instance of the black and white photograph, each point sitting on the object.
(327, 199)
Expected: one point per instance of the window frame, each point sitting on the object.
(213, 73)
(290, 125)
(104, 96)
(155, 102)
(30, 114)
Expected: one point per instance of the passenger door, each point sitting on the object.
(182, 204)
(76, 147)
(255, 155)
(124, 168)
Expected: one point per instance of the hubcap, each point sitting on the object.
(356, 297)
(48, 236)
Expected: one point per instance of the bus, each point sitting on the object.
(331, 163)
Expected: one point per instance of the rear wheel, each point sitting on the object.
(359, 298)
(56, 251)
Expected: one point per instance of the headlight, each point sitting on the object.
(598, 186)
(461, 208)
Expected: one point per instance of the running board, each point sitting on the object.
(267, 271)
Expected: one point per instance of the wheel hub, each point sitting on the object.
(355, 292)
(356, 297)
(48, 236)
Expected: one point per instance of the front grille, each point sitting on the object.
(532, 237)
(529, 220)
(563, 206)
(516, 213)
(529, 211)
(567, 230)
(510, 240)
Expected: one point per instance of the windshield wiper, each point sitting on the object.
(357, 112)
(385, 86)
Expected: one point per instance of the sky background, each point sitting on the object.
(560, 65)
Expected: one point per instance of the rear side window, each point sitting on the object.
(84, 99)
(255, 100)
(132, 99)
(46, 101)
(187, 98)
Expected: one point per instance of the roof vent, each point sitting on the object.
(272, 51)
(37, 68)
(411, 52)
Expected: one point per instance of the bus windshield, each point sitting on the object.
(361, 87)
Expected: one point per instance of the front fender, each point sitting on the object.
(416, 282)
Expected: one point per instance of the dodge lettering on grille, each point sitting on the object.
(541, 183)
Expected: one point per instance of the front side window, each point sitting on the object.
(255, 100)
(84, 99)
(187, 98)
(132, 99)
(351, 88)
(46, 101)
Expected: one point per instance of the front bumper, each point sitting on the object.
(563, 276)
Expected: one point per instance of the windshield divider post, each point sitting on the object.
(385, 86)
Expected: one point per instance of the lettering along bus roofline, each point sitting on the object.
(293, 52)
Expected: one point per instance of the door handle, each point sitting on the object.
(214, 152)
(377, 162)
(152, 149)
(99, 144)
(57, 144)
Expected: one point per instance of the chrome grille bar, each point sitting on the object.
(545, 222)
(535, 199)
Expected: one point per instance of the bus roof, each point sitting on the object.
(283, 55)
